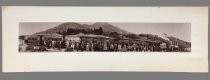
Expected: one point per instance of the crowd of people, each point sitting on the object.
(101, 45)
(98, 46)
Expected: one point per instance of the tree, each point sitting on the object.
(58, 32)
(95, 31)
(100, 31)
(132, 36)
(114, 35)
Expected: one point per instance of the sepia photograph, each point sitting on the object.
(133, 39)
(104, 37)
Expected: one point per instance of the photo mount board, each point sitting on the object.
(195, 61)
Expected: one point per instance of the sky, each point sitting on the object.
(179, 30)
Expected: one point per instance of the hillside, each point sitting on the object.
(64, 26)
(157, 38)
(180, 42)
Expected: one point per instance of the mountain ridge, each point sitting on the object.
(73, 25)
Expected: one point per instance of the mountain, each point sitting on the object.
(64, 26)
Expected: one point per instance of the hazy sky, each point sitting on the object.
(180, 30)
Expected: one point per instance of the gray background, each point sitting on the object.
(101, 75)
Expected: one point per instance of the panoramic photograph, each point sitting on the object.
(104, 37)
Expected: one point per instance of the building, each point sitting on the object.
(53, 36)
(74, 38)
(22, 39)
(163, 45)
